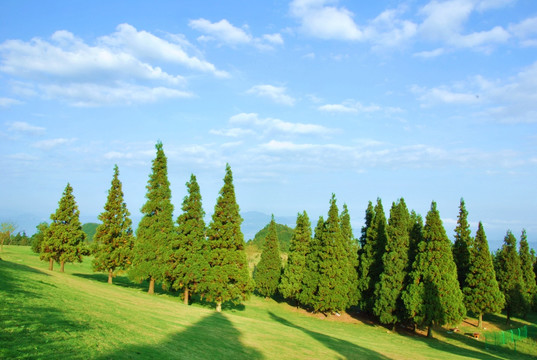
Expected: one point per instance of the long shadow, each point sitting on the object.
(11, 284)
(213, 337)
(122, 281)
(345, 348)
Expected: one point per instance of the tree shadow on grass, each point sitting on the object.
(123, 281)
(345, 348)
(213, 337)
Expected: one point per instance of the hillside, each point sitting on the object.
(90, 229)
(77, 315)
(285, 233)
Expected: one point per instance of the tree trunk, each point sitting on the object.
(62, 264)
(109, 276)
(508, 317)
(51, 264)
(151, 286)
(430, 331)
(480, 321)
(185, 300)
(218, 306)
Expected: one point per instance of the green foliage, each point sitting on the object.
(291, 281)
(228, 278)
(509, 276)
(310, 279)
(187, 265)
(434, 296)
(113, 240)
(90, 229)
(372, 252)
(388, 303)
(526, 264)
(284, 232)
(156, 229)
(64, 239)
(481, 293)
(267, 272)
(19, 239)
(37, 238)
(351, 249)
(6, 229)
(463, 245)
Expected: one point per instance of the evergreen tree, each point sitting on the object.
(509, 276)
(229, 278)
(156, 229)
(371, 259)
(415, 237)
(37, 238)
(463, 245)
(481, 293)
(64, 240)
(310, 280)
(291, 281)
(351, 248)
(388, 303)
(268, 271)
(187, 264)
(434, 296)
(526, 264)
(113, 240)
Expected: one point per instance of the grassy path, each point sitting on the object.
(77, 315)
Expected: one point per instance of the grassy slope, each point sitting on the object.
(77, 315)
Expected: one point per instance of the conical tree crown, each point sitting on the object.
(481, 293)
(463, 245)
(310, 280)
(229, 278)
(267, 272)
(187, 264)
(291, 281)
(351, 248)
(526, 264)
(156, 229)
(64, 240)
(113, 240)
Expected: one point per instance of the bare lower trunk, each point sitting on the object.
(151, 286)
(508, 317)
(62, 265)
(185, 300)
(218, 306)
(480, 321)
(109, 276)
(430, 331)
(51, 264)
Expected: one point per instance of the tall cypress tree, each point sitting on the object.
(156, 229)
(388, 303)
(463, 245)
(310, 280)
(365, 254)
(481, 293)
(291, 281)
(526, 264)
(228, 278)
(434, 296)
(187, 264)
(113, 240)
(351, 248)
(509, 276)
(64, 239)
(268, 271)
(371, 259)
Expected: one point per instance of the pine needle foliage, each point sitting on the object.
(434, 296)
(64, 239)
(365, 255)
(389, 306)
(291, 281)
(114, 239)
(482, 294)
(463, 245)
(310, 280)
(228, 278)
(351, 248)
(268, 271)
(509, 276)
(156, 228)
(37, 238)
(187, 263)
(526, 264)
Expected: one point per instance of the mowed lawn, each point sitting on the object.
(77, 315)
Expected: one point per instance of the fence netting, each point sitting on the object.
(507, 337)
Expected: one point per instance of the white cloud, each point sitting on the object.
(275, 93)
(21, 126)
(22, 157)
(112, 155)
(431, 53)
(224, 32)
(349, 106)
(52, 143)
(7, 102)
(269, 124)
(446, 96)
(526, 31)
(233, 132)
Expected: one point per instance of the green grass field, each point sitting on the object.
(77, 315)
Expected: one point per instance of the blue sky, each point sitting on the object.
(426, 100)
